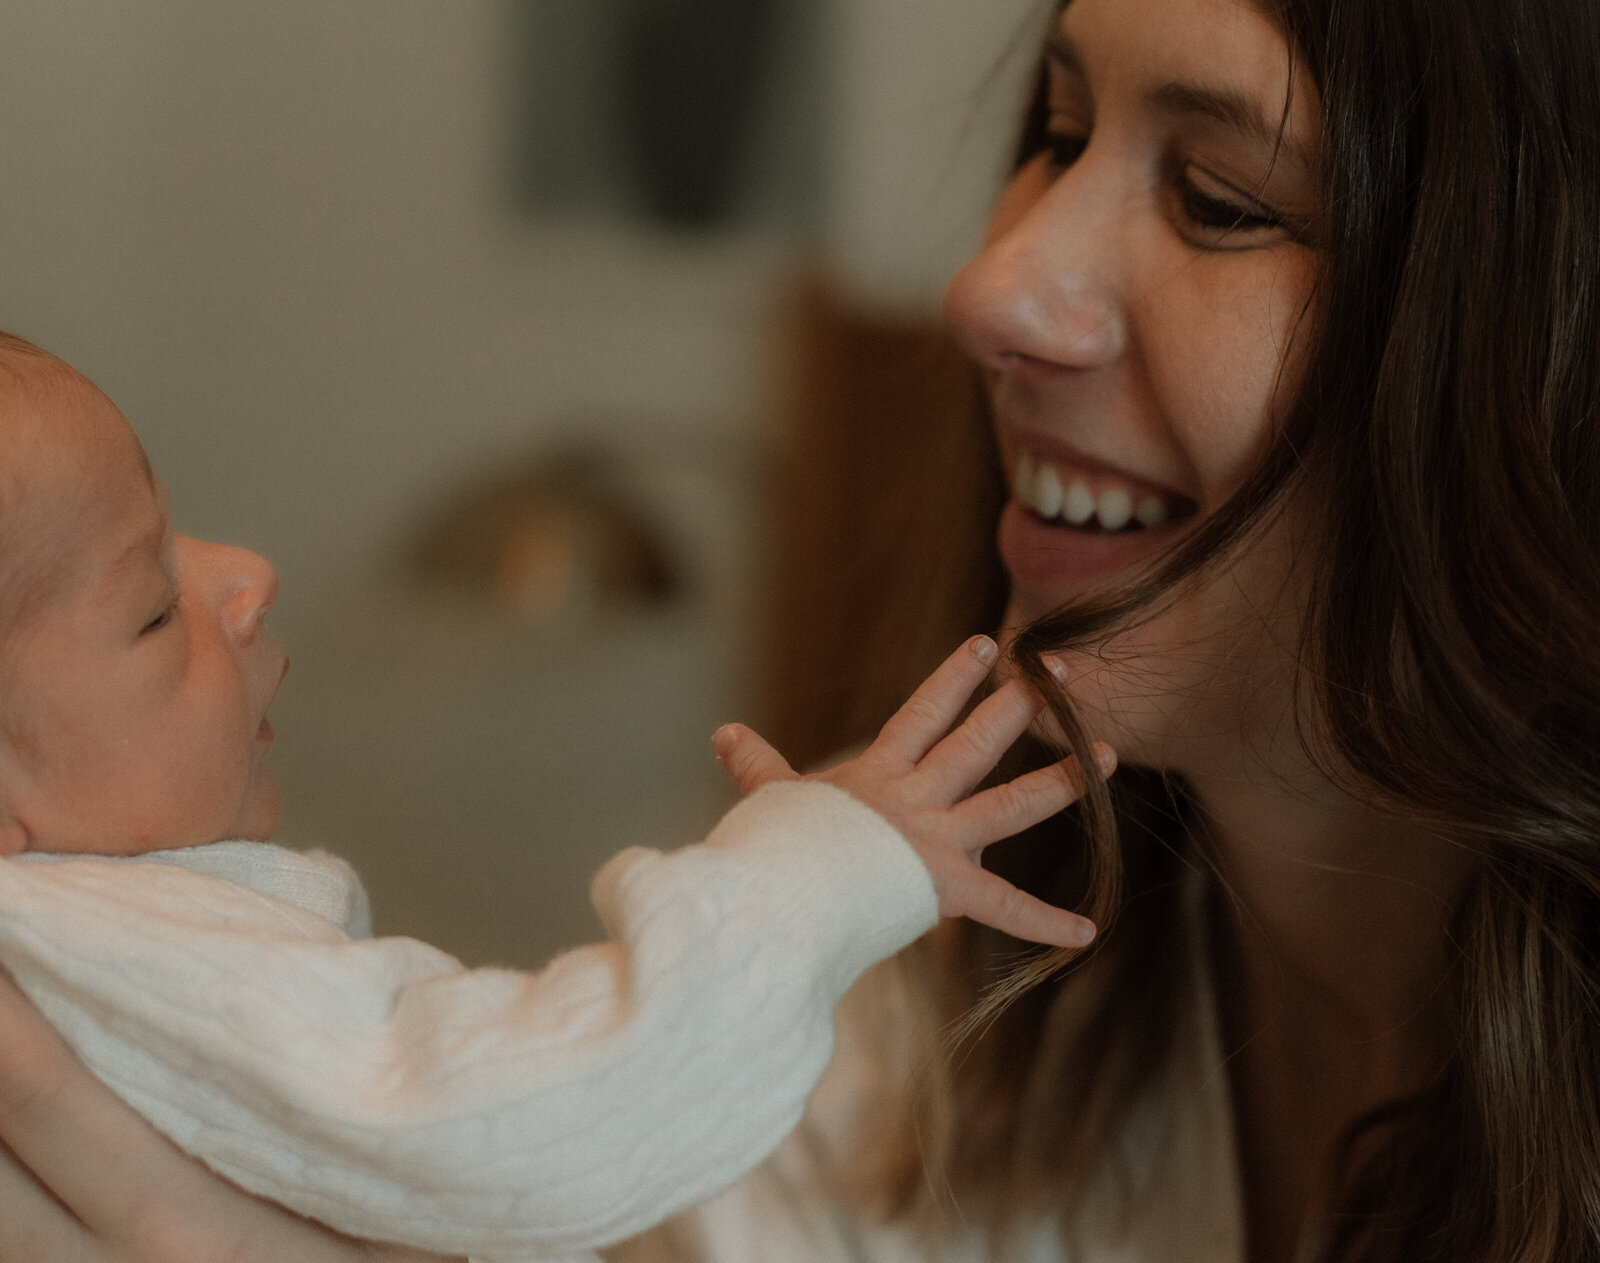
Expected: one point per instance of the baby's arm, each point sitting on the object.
(381, 1088)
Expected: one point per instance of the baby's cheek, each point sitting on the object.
(193, 784)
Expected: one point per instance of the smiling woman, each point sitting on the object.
(1288, 326)
(1289, 323)
(1135, 311)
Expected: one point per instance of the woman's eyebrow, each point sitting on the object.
(1232, 109)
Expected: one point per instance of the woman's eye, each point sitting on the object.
(1222, 214)
(161, 619)
(1064, 148)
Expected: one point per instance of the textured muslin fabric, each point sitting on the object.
(1168, 1193)
(382, 1088)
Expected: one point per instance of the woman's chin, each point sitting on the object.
(1134, 723)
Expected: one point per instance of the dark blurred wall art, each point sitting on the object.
(690, 73)
(693, 114)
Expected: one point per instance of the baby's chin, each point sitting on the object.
(256, 818)
(259, 819)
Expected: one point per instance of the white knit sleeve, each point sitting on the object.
(382, 1088)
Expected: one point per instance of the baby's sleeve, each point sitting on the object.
(382, 1088)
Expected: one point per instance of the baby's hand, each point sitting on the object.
(919, 776)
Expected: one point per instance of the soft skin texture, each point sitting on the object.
(138, 682)
(1125, 324)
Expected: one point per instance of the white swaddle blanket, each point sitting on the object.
(382, 1088)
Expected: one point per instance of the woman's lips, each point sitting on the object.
(1073, 520)
(1061, 558)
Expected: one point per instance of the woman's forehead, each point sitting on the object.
(1221, 61)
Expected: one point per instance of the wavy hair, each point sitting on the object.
(1451, 651)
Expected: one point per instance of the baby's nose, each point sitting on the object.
(241, 585)
(257, 589)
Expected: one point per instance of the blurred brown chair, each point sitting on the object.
(883, 547)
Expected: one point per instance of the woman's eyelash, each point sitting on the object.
(1064, 148)
(1204, 210)
(1225, 216)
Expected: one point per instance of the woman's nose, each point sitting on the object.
(242, 586)
(1043, 286)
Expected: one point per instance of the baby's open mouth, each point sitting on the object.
(1100, 502)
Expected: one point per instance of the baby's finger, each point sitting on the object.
(937, 703)
(993, 901)
(1017, 805)
(969, 753)
(1029, 800)
(749, 759)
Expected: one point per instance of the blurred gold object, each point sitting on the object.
(558, 541)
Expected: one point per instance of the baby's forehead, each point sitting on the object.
(45, 428)
(52, 439)
(29, 372)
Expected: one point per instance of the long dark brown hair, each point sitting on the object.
(1451, 651)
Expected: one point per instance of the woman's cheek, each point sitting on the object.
(1220, 373)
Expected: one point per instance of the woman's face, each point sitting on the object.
(1132, 308)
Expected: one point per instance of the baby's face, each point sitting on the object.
(134, 691)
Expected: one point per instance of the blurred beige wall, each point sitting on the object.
(278, 236)
(925, 98)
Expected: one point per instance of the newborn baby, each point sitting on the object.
(228, 988)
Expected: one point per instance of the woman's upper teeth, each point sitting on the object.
(1076, 498)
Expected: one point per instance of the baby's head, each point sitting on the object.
(135, 669)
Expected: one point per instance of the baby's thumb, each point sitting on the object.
(749, 759)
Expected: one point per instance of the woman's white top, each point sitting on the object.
(1171, 1194)
(229, 994)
